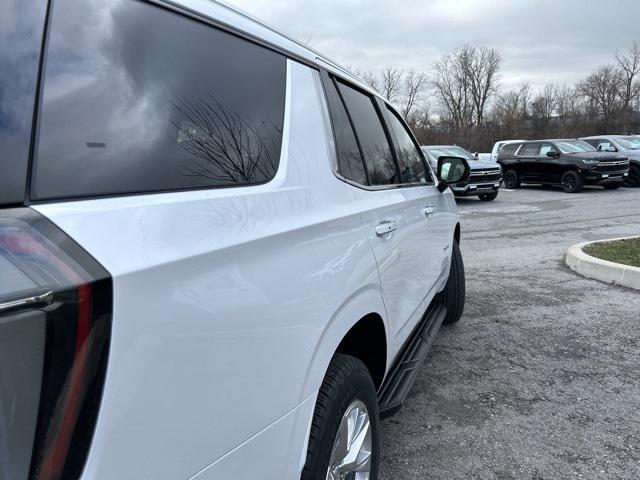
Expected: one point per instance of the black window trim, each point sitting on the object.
(334, 83)
(390, 110)
(376, 106)
(331, 78)
(171, 7)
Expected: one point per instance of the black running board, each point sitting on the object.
(404, 370)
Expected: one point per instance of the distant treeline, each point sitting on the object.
(459, 100)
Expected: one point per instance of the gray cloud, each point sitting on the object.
(541, 41)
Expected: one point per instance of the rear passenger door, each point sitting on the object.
(396, 198)
(528, 161)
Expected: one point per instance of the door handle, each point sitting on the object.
(429, 210)
(385, 227)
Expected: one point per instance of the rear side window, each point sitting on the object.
(412, 166)
(371, 135)
(530, 150)
(509, 150)
(349, 158)
(141, 99)
(21, 27)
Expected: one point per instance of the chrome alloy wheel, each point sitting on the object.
(351, 453)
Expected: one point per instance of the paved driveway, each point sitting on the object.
(541, 377)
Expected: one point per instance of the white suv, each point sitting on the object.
(221, 256)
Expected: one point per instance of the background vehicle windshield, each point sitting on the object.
(629, 143)
(575, 146)
(453, 151)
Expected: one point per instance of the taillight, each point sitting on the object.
(55, 324)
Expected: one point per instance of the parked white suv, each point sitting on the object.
(221, 256)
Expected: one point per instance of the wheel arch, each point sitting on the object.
(361, 316)
(367, 341)
(456, 233)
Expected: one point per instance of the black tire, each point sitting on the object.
(612, 186)
(488, 197)
(633, 180)
(571, 182)
(511, 179)
(347, 380)
(454, 292)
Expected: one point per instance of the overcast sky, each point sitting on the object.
(541, 41)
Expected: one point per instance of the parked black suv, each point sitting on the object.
(570, 163)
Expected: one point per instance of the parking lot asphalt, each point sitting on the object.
(540, 379)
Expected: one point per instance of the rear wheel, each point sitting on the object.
(511, 179)
(633, 180)
(488, 197)
(454, 292)
(344, 442)
(571, 182)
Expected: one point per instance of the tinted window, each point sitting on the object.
(349, 158)
(575, 146)
(629, 143)
(21, 28)
(412, 166)
(373, 140)
(530, 150)
(138, 98)
(509, 150)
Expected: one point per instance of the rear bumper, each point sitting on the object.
(475, 189)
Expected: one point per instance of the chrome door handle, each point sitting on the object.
(429, 210)
(385, 227)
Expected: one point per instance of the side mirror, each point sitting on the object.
(612, 149)
(553, 154)
(452, 170)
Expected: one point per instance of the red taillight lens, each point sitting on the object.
(55, 322)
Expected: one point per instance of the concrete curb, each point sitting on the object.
(602, 270)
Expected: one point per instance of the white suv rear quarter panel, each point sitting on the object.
(228, 305)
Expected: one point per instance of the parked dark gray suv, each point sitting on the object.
(627, 145)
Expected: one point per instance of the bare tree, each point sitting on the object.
(629, 65)
(567, 101)
(367, 76)
(545, 103)
(482, 68)
(224, 146)
(391, 83)
(414, 84)
(451, 90)
(603, 92)
(464, 82)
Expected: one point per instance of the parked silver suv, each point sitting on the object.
(627, 145)
(484, 179)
